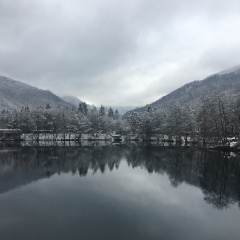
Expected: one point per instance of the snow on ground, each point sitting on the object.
(64, 137)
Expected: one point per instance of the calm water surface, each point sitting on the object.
(118, 192)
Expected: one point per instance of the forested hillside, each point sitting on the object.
(15, 95)
(225, 83)
(207, 110)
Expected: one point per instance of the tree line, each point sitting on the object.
(217, 118)
(63, 119)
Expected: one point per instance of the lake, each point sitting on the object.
(118, 192)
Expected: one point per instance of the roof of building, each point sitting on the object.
(10, 130)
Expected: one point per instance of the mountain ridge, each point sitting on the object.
(72, 100)
(15, 94)
(191, 94)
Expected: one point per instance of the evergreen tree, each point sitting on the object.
(116, 115)
(80, 107)
(85, 108)
(48, 106)
(149, 108)
(102, 111)
(110, 113)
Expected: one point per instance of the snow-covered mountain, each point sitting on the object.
(72, 100)
(235, 69)
(225, 83)
(121, 109)
(75, 101)
(15, 94)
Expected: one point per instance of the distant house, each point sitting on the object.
(10, 134)
(3, 126)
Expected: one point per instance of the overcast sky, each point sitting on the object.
(117, 52)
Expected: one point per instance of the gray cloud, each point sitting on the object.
(117, 52)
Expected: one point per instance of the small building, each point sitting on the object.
(117, 138)
(10, 134)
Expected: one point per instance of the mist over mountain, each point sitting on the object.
(75, 101)
(226, 83)
(15, 94)
(121, 109)
(72, 100)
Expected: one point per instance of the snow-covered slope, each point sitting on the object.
(71, 99)
(121, 109)
(74, 101)
(225, 83)
(15, 94)
(235, 69)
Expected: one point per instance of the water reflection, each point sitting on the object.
(216, 174)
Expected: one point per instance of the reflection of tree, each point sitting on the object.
(221, 180)
(83, 170)
(217, 174)
(62, 159)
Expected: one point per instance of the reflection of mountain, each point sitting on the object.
(13, 174)
(218, 175)
(11, 179)
(22, 165)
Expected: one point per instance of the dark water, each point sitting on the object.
(118, 192)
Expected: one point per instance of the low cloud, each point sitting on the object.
(117, 52)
